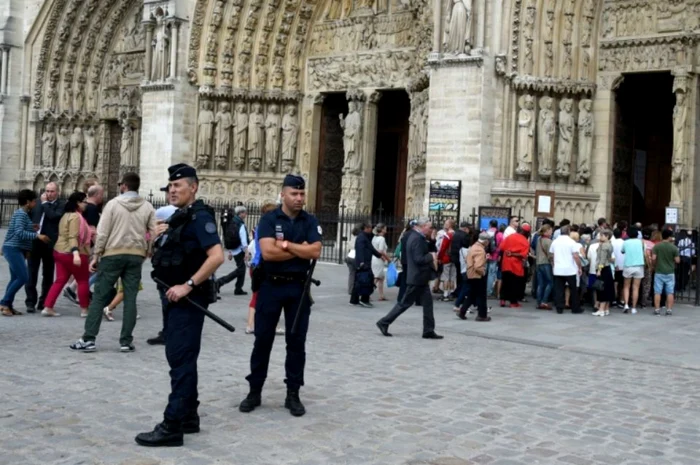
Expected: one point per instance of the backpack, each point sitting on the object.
(232, 236)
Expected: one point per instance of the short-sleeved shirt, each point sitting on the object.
(200, 233)
(617, 251)
(634, 253)
(666, 254)
(92, 214)
(277, 225)
(564, 249)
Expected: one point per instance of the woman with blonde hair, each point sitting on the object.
(379, 243)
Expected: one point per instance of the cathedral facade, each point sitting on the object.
(370, 100)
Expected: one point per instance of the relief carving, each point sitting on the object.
(585, 141)
(526, 135)
(343, 72)
(641, 57)
(546, 131)
(566, 137)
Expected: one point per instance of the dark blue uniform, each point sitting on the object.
(282, 288)
(183, 328)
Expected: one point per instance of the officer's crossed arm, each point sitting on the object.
(272, 252)
(305, 250)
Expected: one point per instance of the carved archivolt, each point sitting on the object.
(578, 209)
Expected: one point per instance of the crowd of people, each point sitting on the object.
(566, 266)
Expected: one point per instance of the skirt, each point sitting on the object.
(608, 292)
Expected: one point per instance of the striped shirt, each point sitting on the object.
(20, 232)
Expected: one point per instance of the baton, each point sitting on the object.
(307, 288)
(211, 315)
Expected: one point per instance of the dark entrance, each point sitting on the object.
(389, 199)
(331, 156)
(643, 148)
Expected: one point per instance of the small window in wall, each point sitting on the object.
(4, 69)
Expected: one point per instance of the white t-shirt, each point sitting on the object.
(509, 230)
(617, 251)
(593, 257)
(564, 249)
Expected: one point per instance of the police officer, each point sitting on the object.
(185, 260)
(289, 238)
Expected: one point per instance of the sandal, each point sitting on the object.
(6, 311)
(109, 316)
(15, 312)
(249, 331)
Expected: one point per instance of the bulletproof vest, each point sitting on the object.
(173, 262)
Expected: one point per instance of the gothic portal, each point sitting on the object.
(370, 100)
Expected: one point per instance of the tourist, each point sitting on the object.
(464, 289)
(236, 241)
(592, 256)
(364, 278)
(403, 258)
(633, 270)
(562, 223)
(478, 278)
(544, 268)
(350, 258)
(449, 271)
(665, 256)
(686, 249)
(493, 257)
(512, 228)
(604, 273)
(516, 249)
(18, 243)
(460, 240)
(566, 270)
(378, 268)
(647, 282)
(72, 255)
(617, 243)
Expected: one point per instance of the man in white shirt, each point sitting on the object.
(512, 227)
(567, 268)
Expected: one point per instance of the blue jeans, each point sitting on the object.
(19, 274)
(492, 275)
(463, 291)
(544, 283)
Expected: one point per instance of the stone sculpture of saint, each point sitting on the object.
(63, 147)
(458, 27)
(76, 148)
(126, 149)
(90, 149)
(546, 132)
(205, 126)
(680, 113)
(290, 134)
(256, 136)
(240, 135)
(161, 47)
(585, 141)
(272, 136)
(48, 145)
(526, 135)
(351, 134)
(224, 122)
(52, 99)
(566, 137)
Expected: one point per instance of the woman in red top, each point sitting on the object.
(515, 249)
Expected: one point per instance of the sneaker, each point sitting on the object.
(279, 331)
(626, 309)
(366, 305)
(599, 313)
(70, 294)
(657, 312)
(127, 348)
(46, 312)
(669, 312)
(607, 312)
(158, 340)
(634, 311)
(83, 346)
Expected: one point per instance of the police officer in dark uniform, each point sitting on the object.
(289, 239)
(185, 258)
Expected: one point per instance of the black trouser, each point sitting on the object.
(238, 274)
(458, 267)
(402, 283)
(476, 296)
(512, 287)
(164, 303)
(355, 296)
(272, 299)
(414, 294)
(560, 283)
(41, 256)
(183, 340)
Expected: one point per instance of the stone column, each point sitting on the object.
(5, 69)
(310, 133)
(174, 36)
(25, 99)
(481, 26)
(437, 29)
(149, 49)
(683, 164)
(369, 146)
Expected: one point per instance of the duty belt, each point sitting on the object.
(288, 278)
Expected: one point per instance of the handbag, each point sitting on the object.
(598, 285)
(392, 275)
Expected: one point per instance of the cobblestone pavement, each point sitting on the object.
(528, 388)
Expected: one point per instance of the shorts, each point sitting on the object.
(449, 273)
(634, 272)
(664, 283)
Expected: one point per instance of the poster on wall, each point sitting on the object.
(486, 214)
(444, 199)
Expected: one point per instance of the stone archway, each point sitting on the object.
(89, 57)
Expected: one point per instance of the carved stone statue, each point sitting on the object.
(334, 10)
(272, 136)
(585, 141)
(80, 100)
(224, 122)
(458, 27)
(90, 149)
(566, 137)
(526, 135)
(48, 145)
(161, 48)
(678, 173)
(127, 149)
(256, 136)
(546, 131)
(205, 126)
(63, 147)
(290, 134)
(76, 148)
(351, 139)
(240, 135)
(52, 99)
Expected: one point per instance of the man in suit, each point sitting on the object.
(421, 267)
(404, 261)
(46, 216)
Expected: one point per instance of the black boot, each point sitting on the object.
(292, 402)
(191, 423)
(158, 340)
(163, 435)
(251, 401)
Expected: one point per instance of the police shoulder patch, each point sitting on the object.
(320, 230)
(210, 228)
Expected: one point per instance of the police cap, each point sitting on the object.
(295, 182)
(180, 171)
